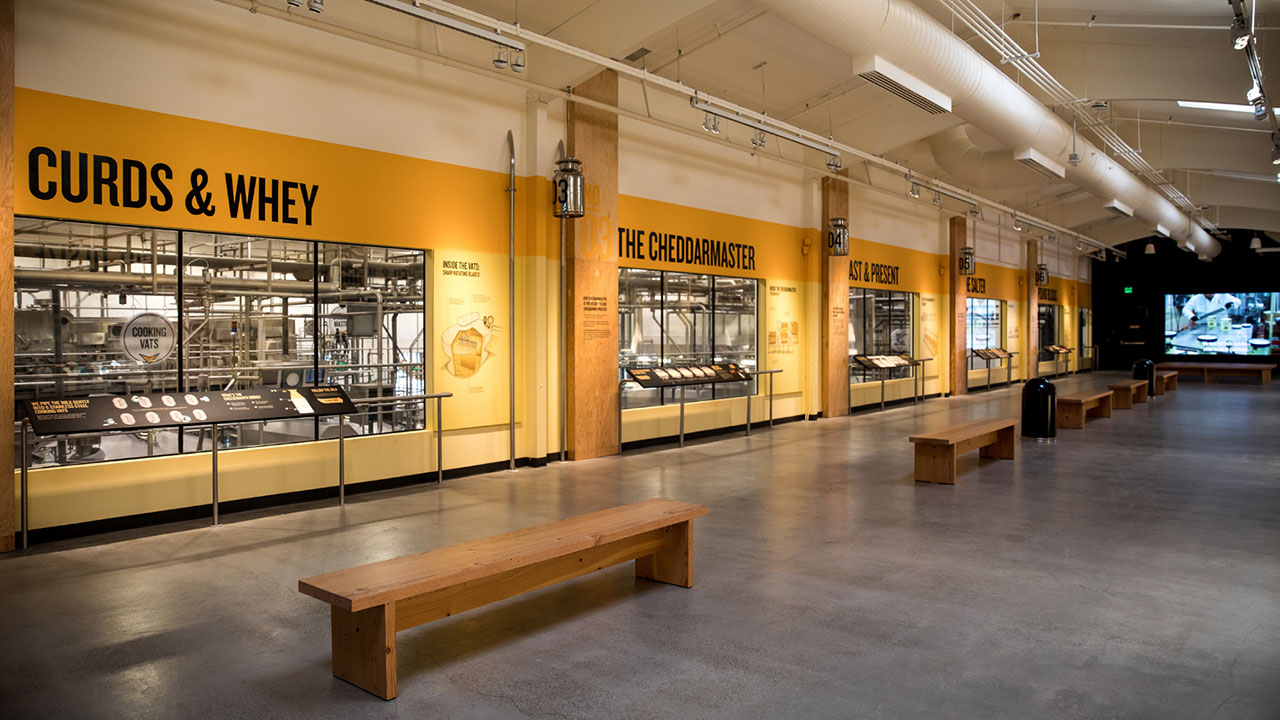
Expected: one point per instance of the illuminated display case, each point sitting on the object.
(685, 319)
(881, 322)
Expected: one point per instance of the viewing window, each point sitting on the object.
(881, 322)
(244, 311)
(1050, 330)
(985, 320)
(674, 318)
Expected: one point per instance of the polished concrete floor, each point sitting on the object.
(1131, 570)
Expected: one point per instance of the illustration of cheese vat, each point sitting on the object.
(466, 344)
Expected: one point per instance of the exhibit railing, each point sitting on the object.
(24, 430)
(623, 384)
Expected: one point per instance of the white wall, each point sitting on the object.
(210, 61)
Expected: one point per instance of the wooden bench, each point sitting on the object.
(370, 603)
(1073, 408)
(936, 451)
(1128, 392)
(1166, 381)
(1214, 371)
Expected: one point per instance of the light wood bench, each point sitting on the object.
(370, 603)
(936, 451)
(1073, 408)
(1214, 371)
(1128, 392)
(1166, 381)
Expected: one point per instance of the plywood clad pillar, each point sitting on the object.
(7, 524)
(957, 328)
(835, 305)
(1031, 356)
(592, 290)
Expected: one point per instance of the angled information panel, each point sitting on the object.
(688, 375)
(157, 410)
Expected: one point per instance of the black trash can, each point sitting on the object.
(1039, 410)
(1145, 370)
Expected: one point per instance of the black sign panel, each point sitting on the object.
(688, 375)
(157, 410)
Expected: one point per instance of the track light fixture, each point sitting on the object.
(1275, 153)
(1017, 223)
(125, 298)
(937, 197)
(1079, 246)
(500, 57)
(706, 122)
(517, 61)
(834, 163)
(1240, 34)
(315, 6)
(974, 211)
(915, 191)
(758, 140)
(295, 3)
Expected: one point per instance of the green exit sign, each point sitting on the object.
(1128, 291)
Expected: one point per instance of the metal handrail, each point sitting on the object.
(23, 425)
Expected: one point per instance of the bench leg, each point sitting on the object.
(1140, 395)
(1103, 409)
(364, 648)
(1069, 415)
(936, 463)
(673, 563)
(1004, 447)
(1122, 399)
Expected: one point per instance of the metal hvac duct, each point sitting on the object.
(968, 164)
(981, 94)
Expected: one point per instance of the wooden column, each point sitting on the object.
(835, 305)
(7, 514)
(1031, 358)
(592, 288)
(957, 328)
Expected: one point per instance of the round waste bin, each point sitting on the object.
(1145, 370)
(1039, 410)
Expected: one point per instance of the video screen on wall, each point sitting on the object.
(1222, 324)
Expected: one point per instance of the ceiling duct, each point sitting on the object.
(875, 69)
(1117, 208)
(1041, 163)
(910, 39)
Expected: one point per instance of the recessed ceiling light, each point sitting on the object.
(1227, 107)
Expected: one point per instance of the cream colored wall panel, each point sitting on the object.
(903, 222)
(658, 164)
(206, 60)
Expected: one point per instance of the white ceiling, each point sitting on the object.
(1141, 71)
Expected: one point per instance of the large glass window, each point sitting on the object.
(985, 321)
(674, 318)
(1050, 321)
(1084, 349)
(246, 312)
(881, 322)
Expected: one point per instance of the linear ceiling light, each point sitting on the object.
(1226, 107)
(1162, 231)
(761, 129)
(491, 35)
